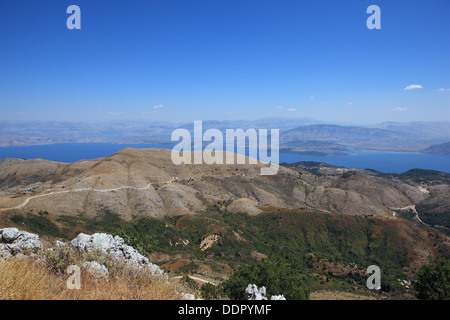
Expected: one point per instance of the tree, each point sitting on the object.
(279, 277)
(433, 280)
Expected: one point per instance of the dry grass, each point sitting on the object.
(25, 280)
(339, 295)
(140, 287)
(28, 279)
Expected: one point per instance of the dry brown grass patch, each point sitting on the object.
(27, 279)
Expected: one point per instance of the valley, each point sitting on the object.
(206, 220)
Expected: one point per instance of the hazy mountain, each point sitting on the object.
(315, 147)
(424, 130)
(414, 136)
(443, 148)
(338, 133)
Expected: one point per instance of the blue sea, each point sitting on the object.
(387, 162)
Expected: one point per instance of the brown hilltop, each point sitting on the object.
(145, 182)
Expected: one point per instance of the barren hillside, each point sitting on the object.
(145, 182)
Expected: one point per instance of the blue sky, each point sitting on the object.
(185, 60)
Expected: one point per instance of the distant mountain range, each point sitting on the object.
(420, 130)
(296, 135)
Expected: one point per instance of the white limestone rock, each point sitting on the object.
(14, 242)
(97, 270)
(116, 246)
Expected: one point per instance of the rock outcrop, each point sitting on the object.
(253, 293)
(97, 270)
(278, 297)
(116, 246)
(14, 242)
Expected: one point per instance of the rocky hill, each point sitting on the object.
(207, 219)
(145, 182)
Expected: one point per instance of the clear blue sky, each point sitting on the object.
(181, 60)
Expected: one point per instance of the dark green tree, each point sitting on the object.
(279, 277)
(433, 280)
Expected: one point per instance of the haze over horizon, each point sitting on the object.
(181, 61)
(302, 121)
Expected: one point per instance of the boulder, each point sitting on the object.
(253, 293)
(187, 296)
(4, 253)
(116, 246)
(278, 297)
(10, 234)
(14, 241)
(97, 270)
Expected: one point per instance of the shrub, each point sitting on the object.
(433, 280)
(142, 242)
(278, 277)
(189, 283)
(38, 224)
(209, 291)
(58, 259)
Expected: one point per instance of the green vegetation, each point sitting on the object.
(38, 224)
(278, 277)
(209, 291)
(310, 166)
(433, 214)
(348, 174)
(140, 241)
(433, 280)
(425, 176)
(290, 235)
(144, 234)
(107, 222)
(406, 214)
(190, 284)
(327, 250)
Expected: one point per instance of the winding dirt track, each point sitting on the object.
(196, 278)
(413, 208)
(20, 206)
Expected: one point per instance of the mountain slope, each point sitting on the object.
(412, 136)
(427, 130)
(443, 148)
(145, 182)
(338, 133)
(331, 222)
